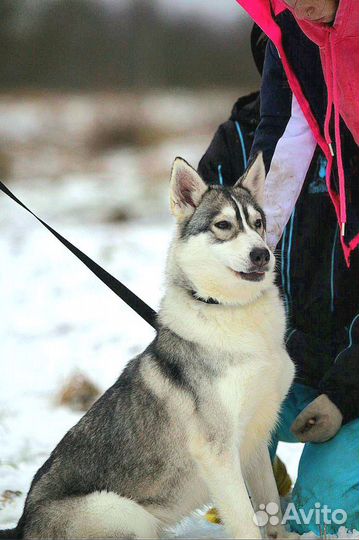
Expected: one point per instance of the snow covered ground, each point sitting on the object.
(57, 319)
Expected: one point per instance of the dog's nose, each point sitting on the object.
(260, 256)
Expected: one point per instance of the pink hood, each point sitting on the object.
(339, 50)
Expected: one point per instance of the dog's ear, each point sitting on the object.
(186, 190)
(253, 179)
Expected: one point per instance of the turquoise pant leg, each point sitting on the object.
(329, 475)
(328, 472)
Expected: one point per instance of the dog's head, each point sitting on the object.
(221, 247)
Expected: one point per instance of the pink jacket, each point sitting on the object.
(339, 50)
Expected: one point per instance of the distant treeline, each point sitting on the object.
(88, 44)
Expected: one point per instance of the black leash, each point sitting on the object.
(131, 299)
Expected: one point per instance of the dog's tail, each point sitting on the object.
(9, 534)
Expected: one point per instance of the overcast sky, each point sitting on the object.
(214, 11)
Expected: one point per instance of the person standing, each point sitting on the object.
(308, 132)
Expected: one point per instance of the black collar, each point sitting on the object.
(208, 301)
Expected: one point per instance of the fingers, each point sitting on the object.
(304, 431)
(303, 423)
(318, 422)
(314, 433)
(315, 430)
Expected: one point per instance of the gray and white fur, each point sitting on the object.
(189, 419)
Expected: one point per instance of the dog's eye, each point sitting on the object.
(258, 223)
(223, 225)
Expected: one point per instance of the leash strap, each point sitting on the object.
(130, 298)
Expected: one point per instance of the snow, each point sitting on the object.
(56, 318)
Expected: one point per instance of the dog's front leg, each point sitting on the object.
(221, 470)
(260, 481)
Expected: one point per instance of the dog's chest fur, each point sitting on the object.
(243, 371)
(233, 331)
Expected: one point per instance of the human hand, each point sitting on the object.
(318, 422)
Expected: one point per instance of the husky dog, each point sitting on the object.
(189, 419)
